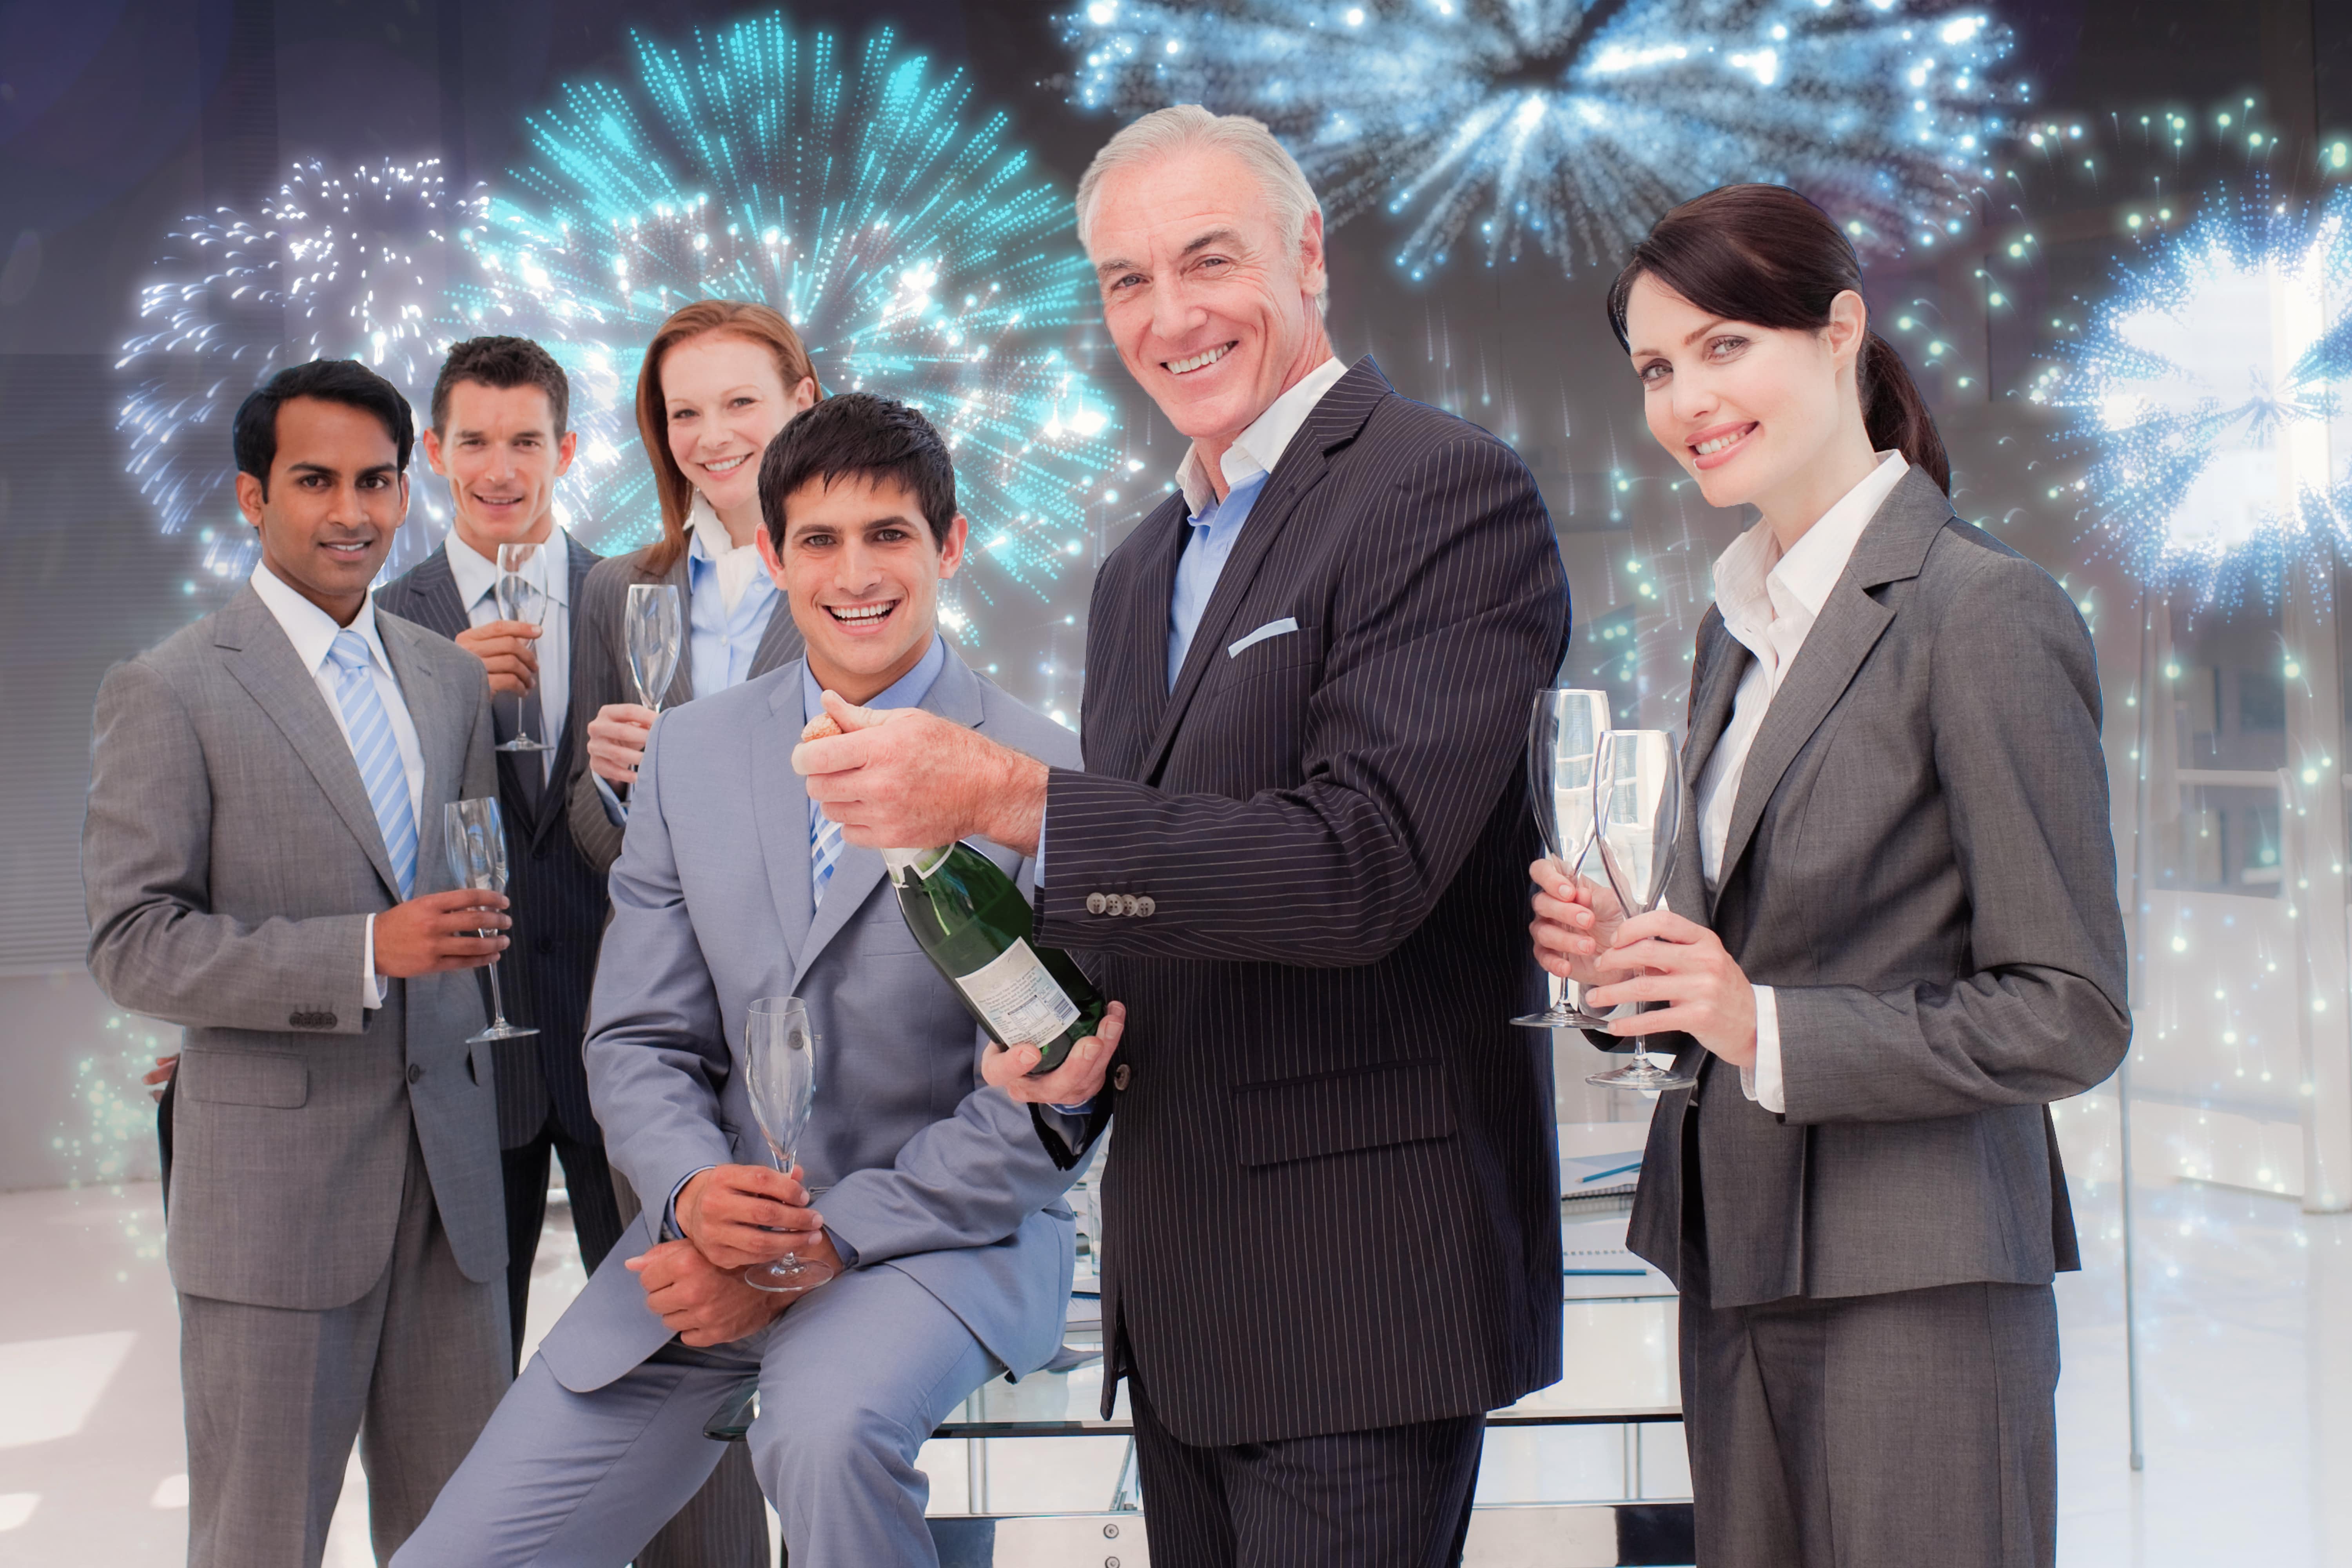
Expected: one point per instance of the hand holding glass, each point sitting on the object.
(781, 1077)
(655, 634)
(1563, 737)
(477, 844)
(1637, 811)
(521, 599)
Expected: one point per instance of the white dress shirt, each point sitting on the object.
(312, 632)
(1769, 602)
(476, 577)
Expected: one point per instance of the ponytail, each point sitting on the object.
(1765, 254)
(1895, 414)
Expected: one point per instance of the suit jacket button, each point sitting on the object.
(302, 1020)
(1120, 1077)
(1144, 906)
(325, 1020)
(1128, 904)
(414, 1072)
(546, 944)
(1095, 903)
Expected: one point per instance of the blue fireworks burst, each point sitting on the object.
(2202, 392)
(333, 266)
(1568, 126)
(917, 253)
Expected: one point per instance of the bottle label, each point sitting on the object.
(1021, 1002)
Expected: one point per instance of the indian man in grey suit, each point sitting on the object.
(262, 861)
(923, 1191)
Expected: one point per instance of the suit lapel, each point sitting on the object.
(1893, 547)
(431, 711)
(1723, 659)
(552, 800)
(780, 643)
(955, 696)
(679, 576)
(261, 657)
(783, 824)
(1333, 422)
(1164, 538)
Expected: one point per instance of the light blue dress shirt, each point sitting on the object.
(1215, 528)
(722, 643)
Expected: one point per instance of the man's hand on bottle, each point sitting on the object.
(1078, 1081)
(911, 779)
(700, 1302)
(737, 1215)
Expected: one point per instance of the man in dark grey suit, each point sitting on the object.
(263, 864)
(500, 410)
(1332, 1223)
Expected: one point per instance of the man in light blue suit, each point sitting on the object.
(933, 1197)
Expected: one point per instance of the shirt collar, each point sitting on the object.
(908, 691)
(476, 574)
(1753, 574)
(310, 629)
(707, 536)
(1259, 448)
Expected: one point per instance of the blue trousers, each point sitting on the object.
(852, 1378)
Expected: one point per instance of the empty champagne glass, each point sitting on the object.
(1563, 737)
(1637, 811)
(522, 597)
(477, 843)
(656, 631)
(781, 1052)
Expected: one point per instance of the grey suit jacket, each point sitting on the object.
(1920, 863)
(599, 675)
(230, 859)
(930, 1172)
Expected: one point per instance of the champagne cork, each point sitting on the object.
(818, 728)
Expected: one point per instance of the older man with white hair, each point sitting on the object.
(1298, 853)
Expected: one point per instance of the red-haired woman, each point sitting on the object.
(1891, 940)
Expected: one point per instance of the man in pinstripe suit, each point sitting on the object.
(1332, 1225)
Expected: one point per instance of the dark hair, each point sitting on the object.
(503, 363)
(1765, 254)
(761, 325)
(344, 381)
(872, 438)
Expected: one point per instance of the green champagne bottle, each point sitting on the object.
(971, 919)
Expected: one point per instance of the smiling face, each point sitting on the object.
(502, 456)
(1752, 413)
(724, 401)
(1212, 305)
(335, 496)
(862, 572)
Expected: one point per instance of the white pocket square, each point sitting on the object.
(1282, 627)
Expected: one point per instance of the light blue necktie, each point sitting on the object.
(377, 755)
(824, 850)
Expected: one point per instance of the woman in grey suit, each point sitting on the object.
(1891, 940)
(720, 378)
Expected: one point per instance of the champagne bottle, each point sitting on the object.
(972, 921)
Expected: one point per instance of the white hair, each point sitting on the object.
(1187, 128)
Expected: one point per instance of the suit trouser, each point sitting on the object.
(596, 1212)
(275, 1395)
(725, 1523)
(1395, 1496)
(852, 1378)
(1916, 1427)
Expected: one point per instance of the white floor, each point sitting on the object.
(2246, 1355)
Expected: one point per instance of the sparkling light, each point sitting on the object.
(918, 253)
(333, 266)
(1501, 127)
(2205, 392)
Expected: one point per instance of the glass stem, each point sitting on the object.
(498, 1001)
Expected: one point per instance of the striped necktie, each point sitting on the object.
(377, 755)
(824, 850)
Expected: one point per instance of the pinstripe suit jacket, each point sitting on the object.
(602, 676)
(559, 898)
(1335, 1200)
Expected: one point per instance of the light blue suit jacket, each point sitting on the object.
(930, 1171)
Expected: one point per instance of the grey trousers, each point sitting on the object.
(1917, 1427)
(274, 1397)
(852, 1378)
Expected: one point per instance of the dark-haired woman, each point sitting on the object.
(1891, 940)
(720, 379)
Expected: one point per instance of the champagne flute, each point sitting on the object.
(477, 844)
(1563, 736)
(521, 599)
(1637, 810)
(655, 633)
(781, 1053)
